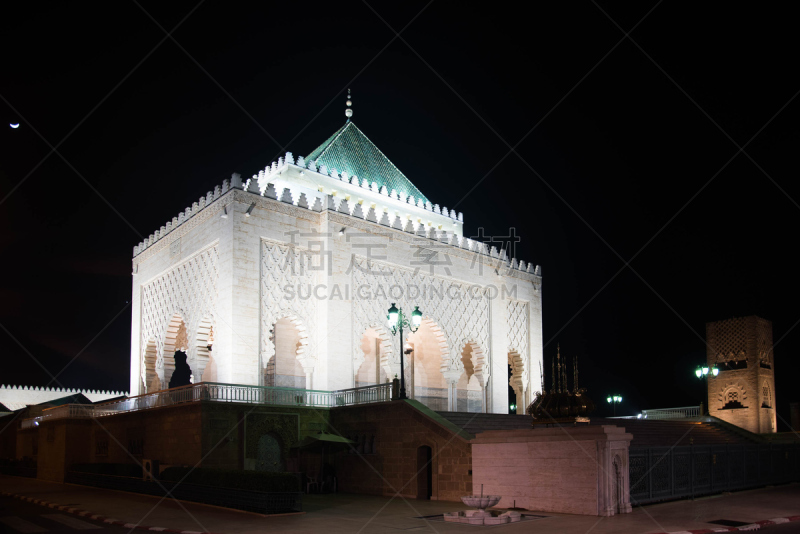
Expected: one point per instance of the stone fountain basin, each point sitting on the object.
(481, 502)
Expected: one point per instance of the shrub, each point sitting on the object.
(117, 470)
(228, 478)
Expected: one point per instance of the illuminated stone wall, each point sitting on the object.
(743, 393)
(226, 262)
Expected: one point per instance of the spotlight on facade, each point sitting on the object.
(512, 407)
(715, 370)
(341, 232)
(250, 210)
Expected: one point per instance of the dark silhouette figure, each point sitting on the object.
(182, 374)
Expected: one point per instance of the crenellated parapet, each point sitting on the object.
(16, 397)
(301, 184)
(271, 173)
(188, 213)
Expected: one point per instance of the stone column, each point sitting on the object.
(451, 379)
(498, 359)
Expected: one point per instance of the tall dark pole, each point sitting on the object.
(402, 365)
(397, 320)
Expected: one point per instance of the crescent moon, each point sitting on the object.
(15, 126)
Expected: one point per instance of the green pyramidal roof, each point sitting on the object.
(351, 151)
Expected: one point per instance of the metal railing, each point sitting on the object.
(665, 473)
(362, 395)
(217, 392)
(685, 412)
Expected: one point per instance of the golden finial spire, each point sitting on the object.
(348, 112)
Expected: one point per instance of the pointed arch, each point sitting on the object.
(150, 361)
(300, 350)
(519, 379)
(732, 396)
(429, 366)
(203, 341)
(470, 395)
(176, 337)
(383, 346)
(303, 353)
(766, 395)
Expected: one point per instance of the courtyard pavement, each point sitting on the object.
(339, 513)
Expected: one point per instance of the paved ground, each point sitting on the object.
(340, 513)
(17, 516)
(787, 528)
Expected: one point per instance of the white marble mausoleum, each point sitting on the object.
(284, 279)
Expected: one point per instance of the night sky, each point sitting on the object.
(624, 150)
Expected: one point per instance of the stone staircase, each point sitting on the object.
(645, 433)
(481, 422)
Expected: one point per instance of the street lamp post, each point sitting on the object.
(702, 373)
(614, 400)
(397, 321)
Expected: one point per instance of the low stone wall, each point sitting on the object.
(220, 435)
(398, 435)
(575, 470)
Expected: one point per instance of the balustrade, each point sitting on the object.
(217, 392)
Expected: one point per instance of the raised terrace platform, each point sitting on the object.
(646, 433)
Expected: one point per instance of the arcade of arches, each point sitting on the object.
(426, 381)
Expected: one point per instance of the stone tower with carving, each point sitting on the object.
(743, 393)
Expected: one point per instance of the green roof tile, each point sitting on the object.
(351, 151)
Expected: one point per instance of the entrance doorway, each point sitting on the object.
(283, 369)
(424, 473)
(269, 454)
(618, 489)
(512, 394)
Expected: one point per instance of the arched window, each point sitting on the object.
(766, 396)
(732, 399)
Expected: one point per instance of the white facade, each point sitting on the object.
(295, 248)
(17, 397)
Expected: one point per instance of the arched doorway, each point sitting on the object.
(269, 454)
(424, 367)
(424, 472)
(204, 343)
(371, 371)
(469, 390)
(512, 394)
(175, 339)
(151, 381)
(516, 381)
(284, 369)
(618, 489)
